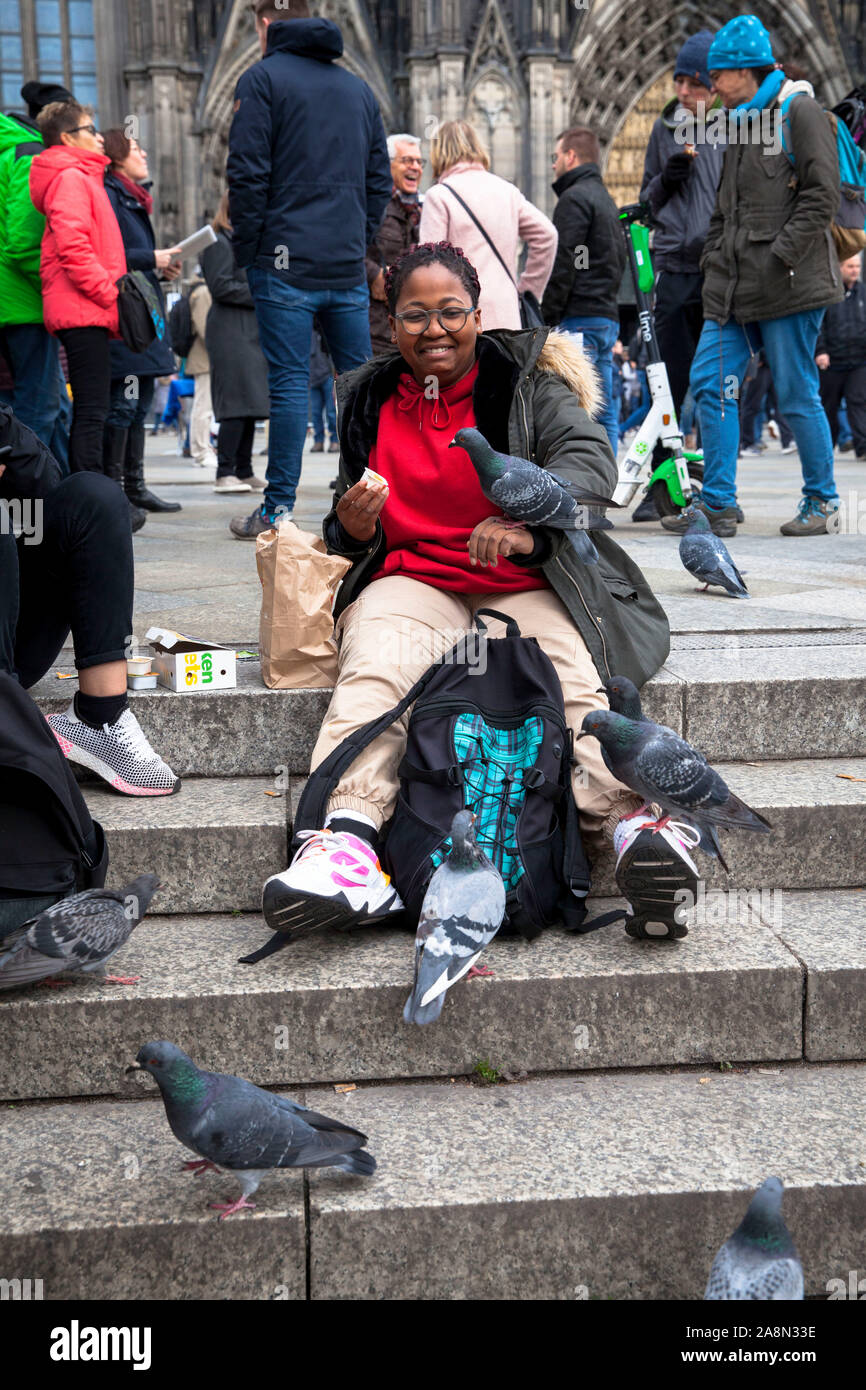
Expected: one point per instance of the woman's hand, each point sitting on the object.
(163, 260)
(494, 537)
(359, 508)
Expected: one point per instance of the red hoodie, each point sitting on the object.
(436, 501)
(82, 248)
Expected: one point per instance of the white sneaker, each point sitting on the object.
(119, 752)
(229, 483)
(653, 871)
(773, 430)
(336, 880)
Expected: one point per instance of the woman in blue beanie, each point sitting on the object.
(770, 271)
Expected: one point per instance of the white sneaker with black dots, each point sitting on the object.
(119, 752)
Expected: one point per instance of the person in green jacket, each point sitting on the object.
(770, 271)
(39, 398)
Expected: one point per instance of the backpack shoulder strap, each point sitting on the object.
(313, 803)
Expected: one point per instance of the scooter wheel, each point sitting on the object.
(665, 504)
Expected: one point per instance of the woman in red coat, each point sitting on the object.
(82, 260)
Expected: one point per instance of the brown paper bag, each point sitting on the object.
(296, 631)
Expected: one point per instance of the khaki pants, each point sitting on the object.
(200, 424)
(389, 636)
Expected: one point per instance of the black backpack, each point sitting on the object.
(181, 333)
(49, 845)
(487, 732)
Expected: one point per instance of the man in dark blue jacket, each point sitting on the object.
(309, 181)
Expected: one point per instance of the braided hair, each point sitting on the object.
(431, 253)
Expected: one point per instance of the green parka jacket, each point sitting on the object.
(21, 226)
(533, 397)
(769, 251)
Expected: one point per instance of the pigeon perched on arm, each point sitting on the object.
(623, 698)
(661, 767)
(759, 1261)
(707, 557)
(533, 496)
(462, 911)
(233, 1124)
(77, 934)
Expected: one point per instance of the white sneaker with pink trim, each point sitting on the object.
(334, 880)
(657, 875)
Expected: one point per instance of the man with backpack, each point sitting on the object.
(309, 180)
(770, 271)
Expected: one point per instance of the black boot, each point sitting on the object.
(133, 479)
(114, 443)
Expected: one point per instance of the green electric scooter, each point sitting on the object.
(672, 484)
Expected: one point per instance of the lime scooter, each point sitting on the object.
(673, 483)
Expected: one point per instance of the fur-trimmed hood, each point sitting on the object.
(561, 355)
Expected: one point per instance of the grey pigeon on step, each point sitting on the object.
(233, 1124)
(534, 496)
(462, 911)
(661, 767)
(76, 935)
(707, 557)
(759, 1261)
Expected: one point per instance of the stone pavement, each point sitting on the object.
(652, 1085)
(192, 575)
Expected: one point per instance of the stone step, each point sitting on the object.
(215, 842)
(733, 700)
(330, 1007)
(592, 1186)
(212, 844)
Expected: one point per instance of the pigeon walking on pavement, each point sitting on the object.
(76, 935)
(462, 911)
(708, 558)
(230, 1123)
(533, 496)
(759, 1261)
(661, 767)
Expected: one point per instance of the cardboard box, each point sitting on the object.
(184, 664)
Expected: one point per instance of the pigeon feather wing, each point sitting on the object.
(245, 1127)
(736, 1276)
(711, 563)
(676, 775)
(73, 934)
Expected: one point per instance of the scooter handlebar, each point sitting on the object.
(635, 212)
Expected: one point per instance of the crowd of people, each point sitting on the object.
(417, 303)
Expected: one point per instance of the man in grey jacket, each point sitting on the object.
(679, 184)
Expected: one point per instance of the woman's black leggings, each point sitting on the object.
(235, 447)
(89, 359)
(77, 574)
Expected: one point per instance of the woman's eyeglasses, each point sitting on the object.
(418, 320)
(90, 128)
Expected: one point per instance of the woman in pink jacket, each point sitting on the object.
(82, 260)
(460, 160)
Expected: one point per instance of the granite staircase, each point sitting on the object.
(644, 1088)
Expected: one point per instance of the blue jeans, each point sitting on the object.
(40, 399)
(641, 411)
(717, 371)
(323, 409)
(128, 411)
(285, 319)
(599, 336)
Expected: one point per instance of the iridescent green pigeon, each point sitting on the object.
(233, 1124)
(533, 496)
(759, 1261)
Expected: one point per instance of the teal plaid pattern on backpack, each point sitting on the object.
(494, 762)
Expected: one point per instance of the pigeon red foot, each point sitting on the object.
(229, 1208)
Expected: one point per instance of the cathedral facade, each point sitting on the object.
(520, 70)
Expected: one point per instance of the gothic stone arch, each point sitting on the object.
(619, 52)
